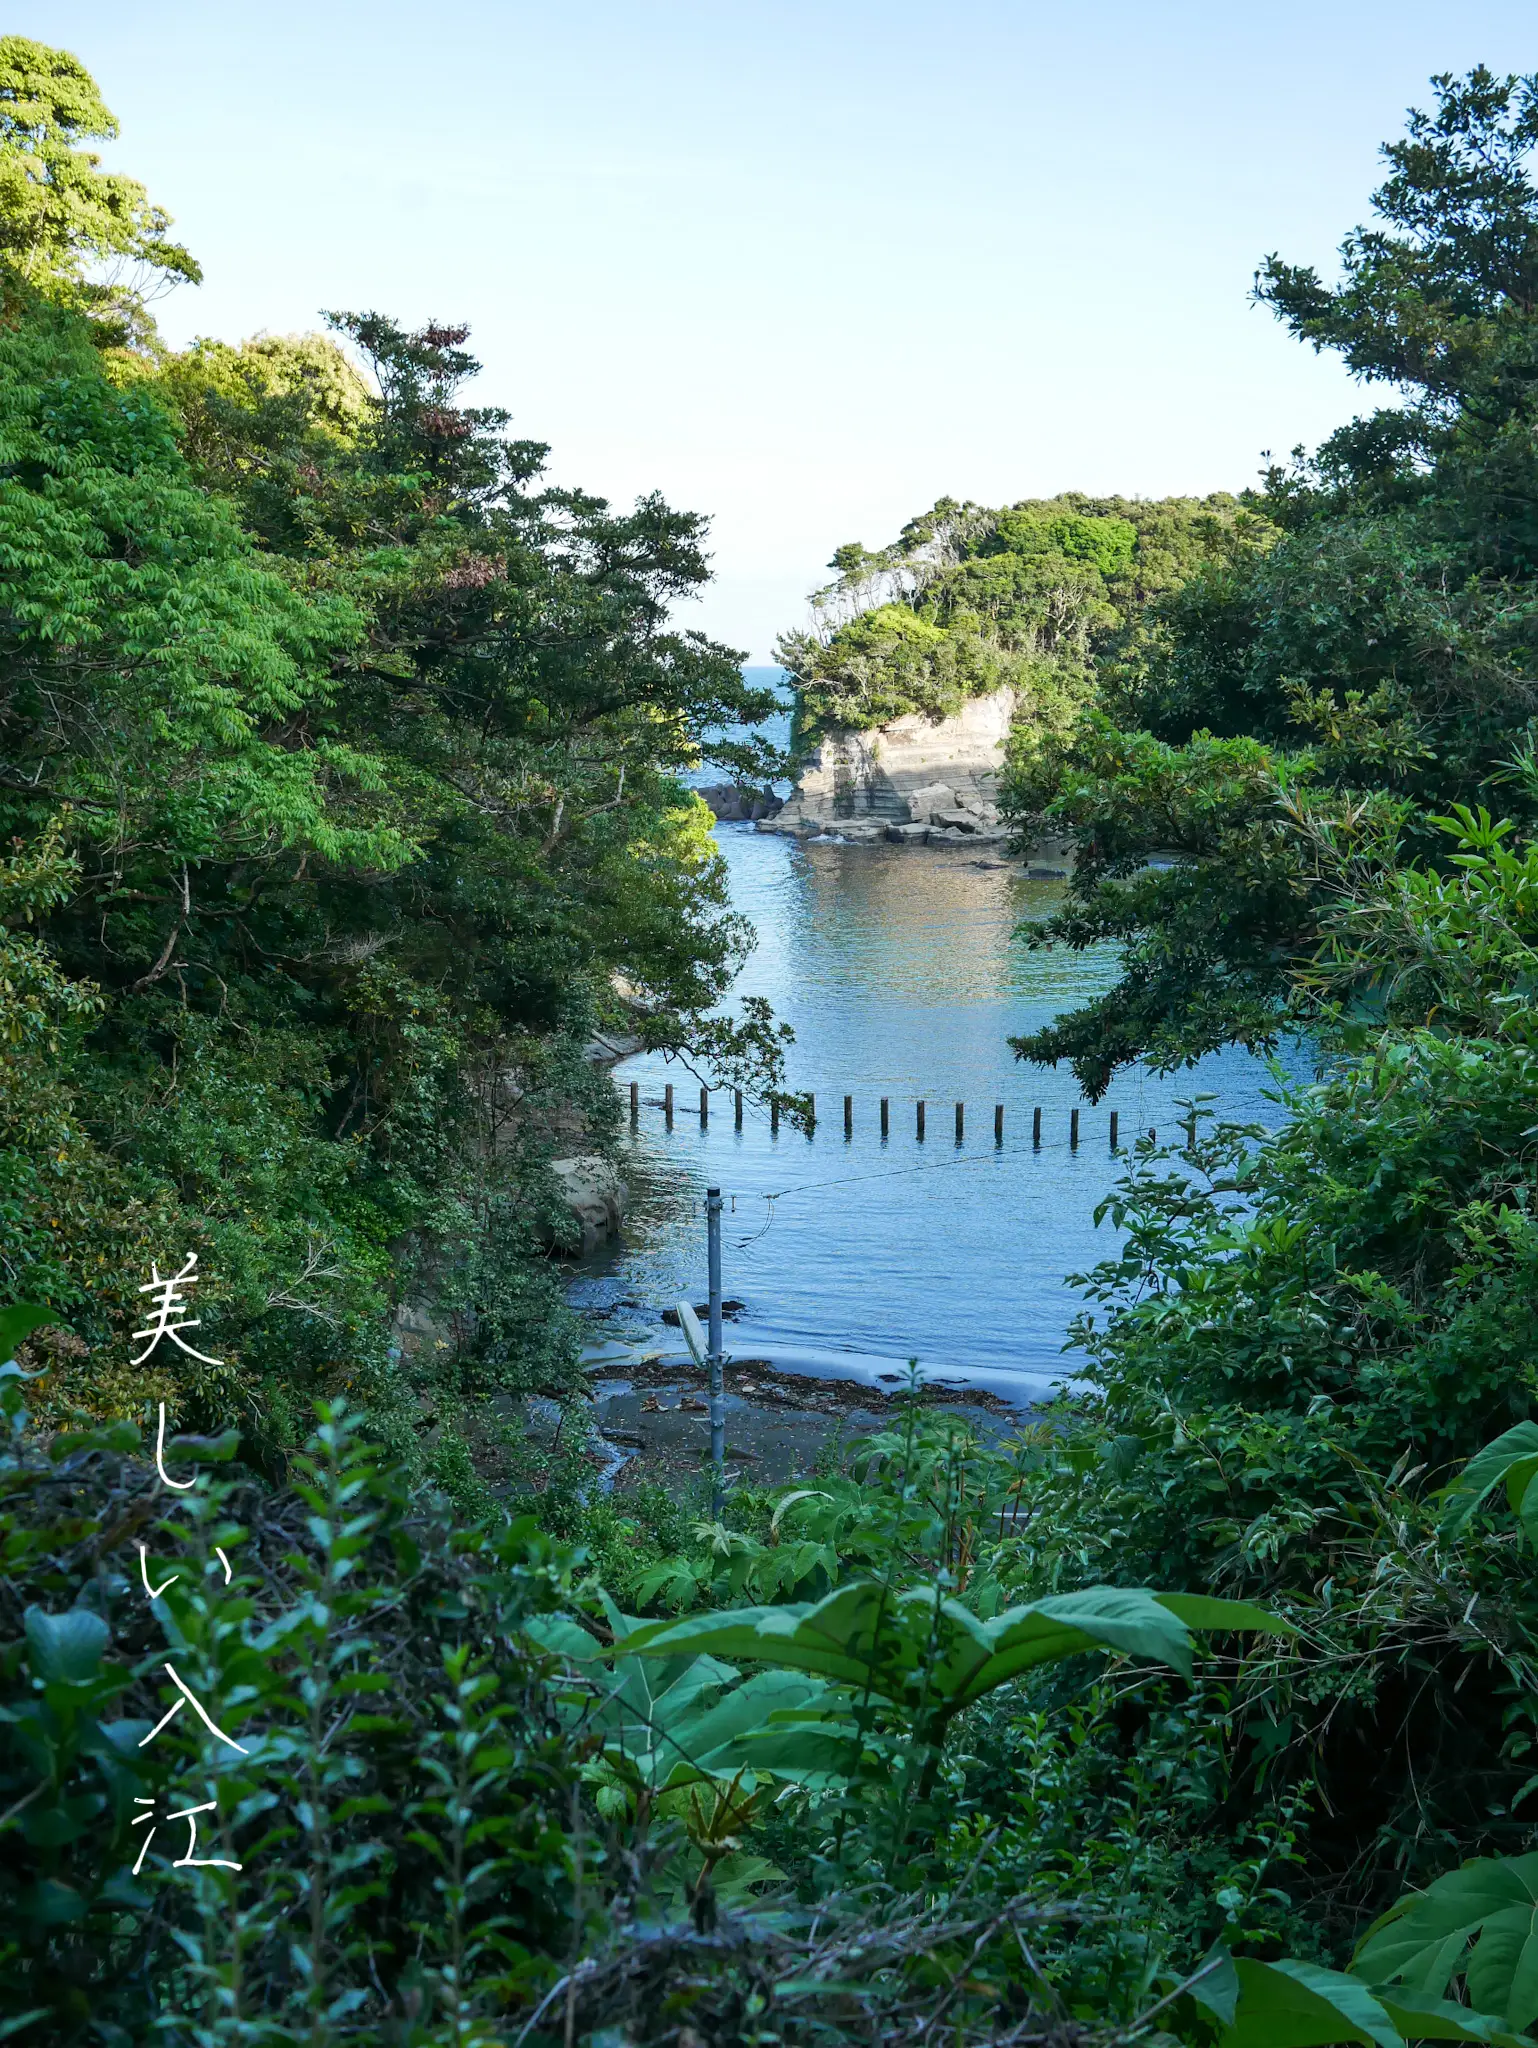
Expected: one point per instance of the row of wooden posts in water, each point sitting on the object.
(886, 1117)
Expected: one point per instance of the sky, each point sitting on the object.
(803, 267)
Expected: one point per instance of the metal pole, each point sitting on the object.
(886, 1116)
(1035, 1126)
(921, 1122)
(998, 1123)
(1115, 1118)
(704, 1106)
(667, 1104)
(739, 1109)
(961, 1121)
(717, 1398)
(848, 1116)
(774, 1118)
(635, 1104)
(1073, 1127)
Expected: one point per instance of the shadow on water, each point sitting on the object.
(903, 975)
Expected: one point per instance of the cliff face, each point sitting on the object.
(926, 780)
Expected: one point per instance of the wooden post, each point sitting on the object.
(1035, 1126)
(1114, 1121)
(774, 1119)
(1073, 1127)
(635, 1104)
(811, 1114)
(848, 1116)
(704, 1107)
(998, 1123)
(716, 1358)
(921, 1123)
(1153, 1135)
(886, 1117)
(739, 1109)
(1190, 1128)
(667, 1104)
(961, 1121)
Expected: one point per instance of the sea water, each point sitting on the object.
(903, 973)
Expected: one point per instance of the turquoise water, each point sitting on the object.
(902, 974)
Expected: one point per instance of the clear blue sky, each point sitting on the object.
(805, 267)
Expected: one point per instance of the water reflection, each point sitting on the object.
(903, 975)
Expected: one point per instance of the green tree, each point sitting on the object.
(359, 747)
(1380, 658)
(1034, 596)
(67, 227)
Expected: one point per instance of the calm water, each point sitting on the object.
(901, 975)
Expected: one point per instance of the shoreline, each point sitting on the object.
(654, 1416)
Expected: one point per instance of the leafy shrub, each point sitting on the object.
(398, 1806)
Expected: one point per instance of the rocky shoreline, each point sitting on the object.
(930, 782)
(654, 1415)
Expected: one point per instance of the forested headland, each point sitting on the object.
(340, 764)
(1032, 597)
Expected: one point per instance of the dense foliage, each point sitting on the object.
(339, 777)
(1305, 1337)
(969, 600)
(341, 794)
(1293, 720)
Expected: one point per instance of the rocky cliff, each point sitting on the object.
(932, 781)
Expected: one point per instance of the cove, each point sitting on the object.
(902, 974)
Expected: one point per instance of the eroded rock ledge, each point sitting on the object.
(917, 781)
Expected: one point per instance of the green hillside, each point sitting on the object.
(1039, 595)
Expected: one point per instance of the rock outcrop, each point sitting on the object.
(605, 1047)
(734, 805)
(928, 781)
(595, 1197)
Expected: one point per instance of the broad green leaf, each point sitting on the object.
(205, 1450)
(1217, 1985)
(1423, 1940)
(811, 1751)
(916, 1643)
(736, 1877)
(17, 1322)
(1138, 1623)
(693, 1721)
(1512, 1458)
(1438, 2019)
(835, 1637)
(673, 1721)
(790, 1500)
(724, 1736)
(1065, 1625)
(564, 1637)
(1300, 2005)
(66, 1645)
(1200, 1610)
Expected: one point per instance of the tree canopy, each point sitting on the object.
(970, 599)
(1294, 716)
(341, 761)
(67, 227)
